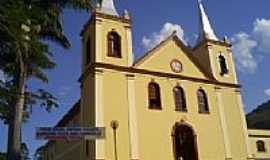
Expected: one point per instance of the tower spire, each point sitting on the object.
(205, 29)
(107, 7)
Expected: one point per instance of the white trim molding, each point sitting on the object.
(224, 126)
(244, 122)
(132, 113)
(99, 112)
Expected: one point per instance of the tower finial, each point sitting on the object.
(107, 7)
(205, 29)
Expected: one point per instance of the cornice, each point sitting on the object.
(207, 41)
(132, 70)
(97, 17)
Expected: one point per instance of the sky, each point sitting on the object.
(245, 22)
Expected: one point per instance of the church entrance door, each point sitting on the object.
(185, 143)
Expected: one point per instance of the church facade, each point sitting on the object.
(173, 103)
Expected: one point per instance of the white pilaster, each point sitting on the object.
(130, 55)
(212, 62)
(244, 123)
(99, 42)
(233, 66)
(133, 128)
(99, 112)
(227, 144)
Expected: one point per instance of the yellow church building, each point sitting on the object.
(173, 103)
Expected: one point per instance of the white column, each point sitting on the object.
(99, 113)
(227, 144)
(233, 66)
(133, 129)
(130, 55)
(99, 42)
(212, 59)
(244, 122)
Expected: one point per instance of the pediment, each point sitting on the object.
(172, 49)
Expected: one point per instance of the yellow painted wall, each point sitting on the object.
(64, 149)
(98, 30)
(208, 54)
(99, 112)
(235, 126)
(115, 108)
(88, 109)
(232, 107)
(89, 33)
(218, 50)
(254, 136)
(161, 58)
(155, 126)
(106, 27)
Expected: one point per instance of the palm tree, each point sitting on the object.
(23, 55)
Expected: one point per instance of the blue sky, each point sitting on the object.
(245, 22)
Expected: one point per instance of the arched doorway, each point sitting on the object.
(184, 142)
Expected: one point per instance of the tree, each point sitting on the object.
(2, 156)
(39, 154)
(23, 55)
(24, 152)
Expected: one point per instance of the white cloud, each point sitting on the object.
(243, 50)
(64, 91)
(267, 92)
(157, 37)
(261, 33)
(248, 48)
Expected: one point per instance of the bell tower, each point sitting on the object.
(107, 37)
(216, 58)
(106, 43)
(215, 55)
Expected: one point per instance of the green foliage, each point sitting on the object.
(259, 118)
(24, 24)
(2, 156)
(24, 152)
(8, 93)
(38, 154)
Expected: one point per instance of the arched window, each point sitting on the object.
(260, 146)
(114, 45)
(202, 101)
(179, 99)
(154, 96)
(223, 65)
(88, 50)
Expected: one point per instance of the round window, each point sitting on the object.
(176, 66)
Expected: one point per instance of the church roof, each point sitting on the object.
(205, 29)
(75, 110)
(107, 7)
